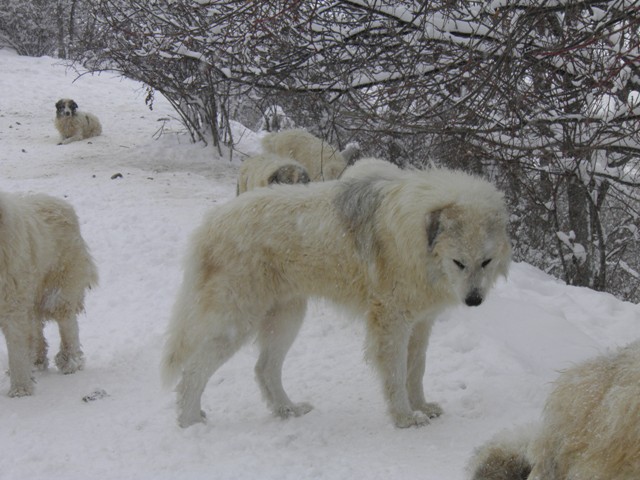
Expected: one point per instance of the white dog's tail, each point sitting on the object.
(504, 457)
(351, 152)
(175, 354)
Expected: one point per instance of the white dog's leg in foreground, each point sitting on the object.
(208, 357)
(416, 368)
(389, 336)
(277, 332)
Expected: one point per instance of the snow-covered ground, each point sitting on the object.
(490, 367)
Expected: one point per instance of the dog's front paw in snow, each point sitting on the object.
(293, 410)
(411, 419)
(431, 409)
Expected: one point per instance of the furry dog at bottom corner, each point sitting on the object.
(590, 428)
(394, 247)
(45, 269)
(73, 124)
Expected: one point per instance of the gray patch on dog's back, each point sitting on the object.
(356, 204)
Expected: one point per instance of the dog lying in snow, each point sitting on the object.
(74, 125)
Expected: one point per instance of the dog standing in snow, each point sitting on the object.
(590, 428)
(396, 247)
(45, 269)
(74, 125)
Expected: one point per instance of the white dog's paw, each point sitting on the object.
(42, 364)
(69, 362)
(20, 391)
(431, 409)
(412, 419)
(187, 419)
(292, 410)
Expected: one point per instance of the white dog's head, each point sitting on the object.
(65, 107)
(472, 245)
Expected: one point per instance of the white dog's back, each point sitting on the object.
(322, 161)
(268, 169)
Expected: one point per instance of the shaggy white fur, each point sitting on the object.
(590, 428)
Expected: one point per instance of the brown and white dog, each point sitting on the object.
(74, 125)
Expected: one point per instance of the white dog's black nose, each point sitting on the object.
(473, 299)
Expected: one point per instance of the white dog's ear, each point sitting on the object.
(433, 227)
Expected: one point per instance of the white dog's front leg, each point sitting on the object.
(388, 345)
(73, 138)
(416, 367)
(17, 331)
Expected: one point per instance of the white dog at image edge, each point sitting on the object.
(396, 247)
(590, 428)
(45, 269)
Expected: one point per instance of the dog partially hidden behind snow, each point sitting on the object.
(75, 125)
(45, 269)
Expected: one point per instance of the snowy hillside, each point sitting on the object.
(490, 367)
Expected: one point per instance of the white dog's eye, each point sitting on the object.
(486, 262)
(459, 264)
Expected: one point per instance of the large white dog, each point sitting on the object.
(590, 429)
(73, 124)
(398, 247)
(267, 169)
(322, 161)
(45, 268)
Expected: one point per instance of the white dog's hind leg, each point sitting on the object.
(17, 331)
(388, 344)
(277, 332)
(415, 370)
(39, 347)
(207, 357)
(70, 358)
